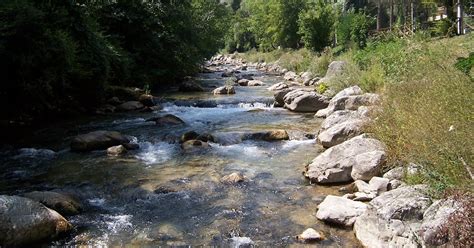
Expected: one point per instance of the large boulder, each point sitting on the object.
(359, 158)
(190, 86)
(340, 211)
(393, 219)
(27, 222)
(130, 106)
(167, 120)
(224, 90)
(279, 97)
(305, 101)
(98, 140)
(341, 132)
(62, 203)
(335, 68)
(352, 102)
(243, 82)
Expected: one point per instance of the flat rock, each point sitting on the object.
(194, 145)
(98, 140)
(340, 211)
(27, 222)
(273, 135)
(355, 159)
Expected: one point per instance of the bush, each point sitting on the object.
(353, 29)
(315, 26)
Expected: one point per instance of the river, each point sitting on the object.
(162, 196)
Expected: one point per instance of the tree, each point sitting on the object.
(316, 25)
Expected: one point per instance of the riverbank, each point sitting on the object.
(427, 100)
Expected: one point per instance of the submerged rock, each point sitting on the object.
(117, 150)
(24, 222)
(191, 135)
(167, 120)
(309, 235)
(63, 204)
(339, 210)
(274, 135)
(98, 140)
(194, 145)
(359, 158)
(130, 106)
(224, 90)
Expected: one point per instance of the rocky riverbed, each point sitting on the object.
(242, 154)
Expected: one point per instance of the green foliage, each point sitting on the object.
(322, 87)
(353, 29)
(444, 27)
(466, 64)
(58, 56)
(52, 57)
(315, 25)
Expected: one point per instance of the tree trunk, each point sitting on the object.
(460, 19)
(379, 15)
(391, 15)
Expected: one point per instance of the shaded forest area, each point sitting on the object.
(61, 57)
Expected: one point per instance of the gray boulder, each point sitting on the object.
(278, 86)
(98, 140)
(300, 100)
(341, 132)
(393, 218)
(340, 211)
(62, 203)
(351, 102)
(27, 222)
(279, 97)
(356, 159)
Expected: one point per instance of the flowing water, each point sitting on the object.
(162, 196)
